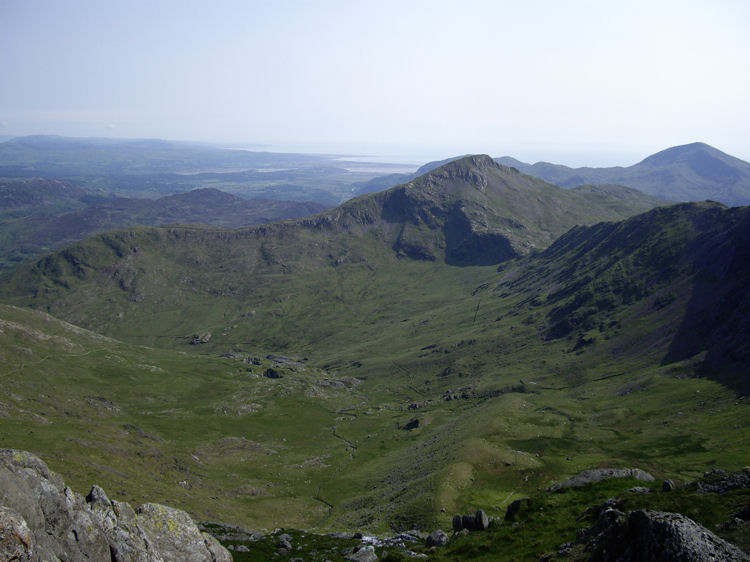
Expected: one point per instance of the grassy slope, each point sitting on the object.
(527, 409)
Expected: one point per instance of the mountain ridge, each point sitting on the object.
(36, 218)
(344, 371)
(691, 172)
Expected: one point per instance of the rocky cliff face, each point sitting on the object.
(655, 535)
(42, 519)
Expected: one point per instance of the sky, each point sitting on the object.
(574, 82)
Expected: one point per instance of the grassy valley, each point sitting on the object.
(454, 343)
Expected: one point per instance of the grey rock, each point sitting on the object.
(481, 521)
(467, 521)
(640, 490)
(720, 482)
(598, 474)
(437, 538)
(284, 544)
(216, 550)
(457, 523)
(16, 540)
(341, 535)
(654, 535)
(363, 553)
(668, 485)
(55, 523)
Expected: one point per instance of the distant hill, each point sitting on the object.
(33, 220)
(55, 156)
(154, 168)
(39, 195)
(692, 172)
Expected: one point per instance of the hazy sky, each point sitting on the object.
(575, 82)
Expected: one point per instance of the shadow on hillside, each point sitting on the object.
(717, 317)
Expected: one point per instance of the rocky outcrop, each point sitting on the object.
(437, 538)
(720, 482)
(654, 535)
(598, 474)
(477, 522)
(43, 519)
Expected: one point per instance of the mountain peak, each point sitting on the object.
(682, 153)
(479, 161)
(469, 169)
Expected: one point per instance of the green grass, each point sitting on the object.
(385, 340)
(179, 418)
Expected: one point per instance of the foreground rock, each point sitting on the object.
(655, 535)
(42, 519)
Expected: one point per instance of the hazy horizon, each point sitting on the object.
(576, 83)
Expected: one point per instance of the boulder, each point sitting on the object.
(668, 485)
(437, 538)
(598, 474)
(467, 521)
(173, 533)
(362, 553)
(411, 424)
(51, 522)
(654, 535)
(481, 521)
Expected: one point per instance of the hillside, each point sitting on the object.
(33, 223)
(391, 382)
(691, 172)
(468, 212)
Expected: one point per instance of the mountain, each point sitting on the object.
(381, 183)
(468, 212)
(682, 270)
(33, 223)
(692, 172)
(455, 343)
